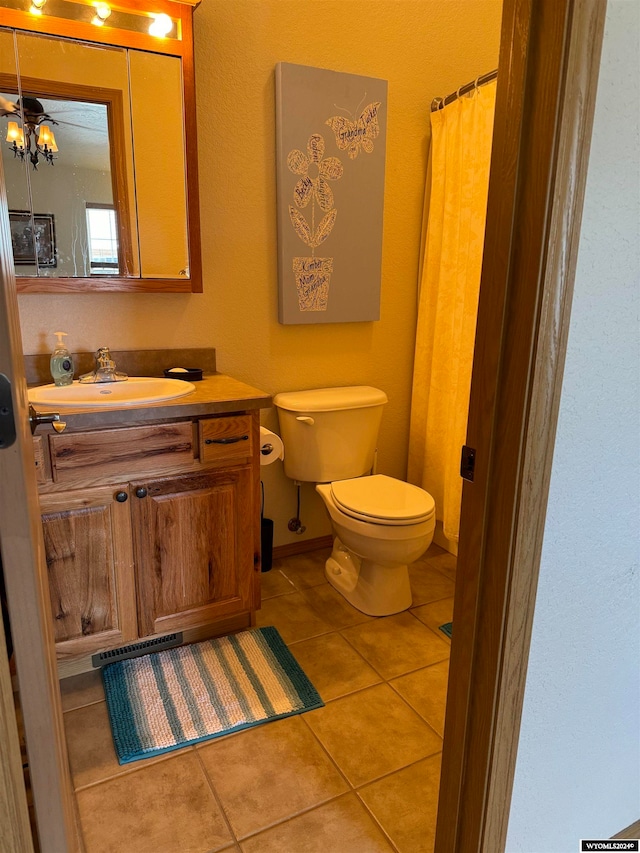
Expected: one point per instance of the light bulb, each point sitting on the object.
(161, 26)
(36, 6)
(103, 10)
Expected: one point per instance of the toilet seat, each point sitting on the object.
(379, 499)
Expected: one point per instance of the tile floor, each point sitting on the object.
(357, 776)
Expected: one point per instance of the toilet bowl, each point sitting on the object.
(381, 525)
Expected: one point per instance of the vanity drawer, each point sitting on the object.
(226, 439)
(122, 452)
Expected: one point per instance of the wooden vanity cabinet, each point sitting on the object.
(171, 548)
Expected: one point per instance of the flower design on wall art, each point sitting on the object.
(312, 274)
(331, 145)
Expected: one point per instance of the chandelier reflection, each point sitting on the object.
(35, 140)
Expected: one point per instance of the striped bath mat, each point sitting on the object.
(169, 699)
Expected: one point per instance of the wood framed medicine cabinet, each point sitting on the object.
(149, 168)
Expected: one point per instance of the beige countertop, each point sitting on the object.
(215, 394)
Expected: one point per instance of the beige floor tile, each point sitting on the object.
(305, 570)
(175, 811)
(91, 754)
(436, 614)
(333, 666)
(395, 645)
(444, 562)
(434, 551)
(267, 774)
(342, 826)
(406, 804)
(428, 584)
(426, 692)
(294, 618)
(79, 690)
(333, 607)
(371, 733)
(274, 583)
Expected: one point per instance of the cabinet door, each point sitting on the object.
(89, 552)
(195, 549)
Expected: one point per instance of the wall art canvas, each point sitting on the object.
(331, 135)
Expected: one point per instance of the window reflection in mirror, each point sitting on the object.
(102, 238)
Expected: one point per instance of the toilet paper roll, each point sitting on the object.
(271, 447)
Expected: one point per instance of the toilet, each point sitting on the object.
(380, 524)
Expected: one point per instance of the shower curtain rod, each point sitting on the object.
(439, 103)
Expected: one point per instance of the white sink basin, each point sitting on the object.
(136, 390)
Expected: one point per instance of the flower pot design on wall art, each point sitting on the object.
(313, 274)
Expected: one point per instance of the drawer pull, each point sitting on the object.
(141, 492)
(121, 497)
(226, 440)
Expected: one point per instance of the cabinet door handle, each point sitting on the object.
(226, 440)
(122, 497)
(141, 492)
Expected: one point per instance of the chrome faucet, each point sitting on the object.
(105, 369)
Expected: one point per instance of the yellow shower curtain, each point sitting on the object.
(460, 157)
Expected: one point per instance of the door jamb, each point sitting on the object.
(28, 596)
(547, 80)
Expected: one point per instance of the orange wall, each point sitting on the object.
(424, 48)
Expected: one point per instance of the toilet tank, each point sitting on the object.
(329, 433)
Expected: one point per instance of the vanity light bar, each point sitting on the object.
(121, 15)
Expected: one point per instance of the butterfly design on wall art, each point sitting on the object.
(351, 135)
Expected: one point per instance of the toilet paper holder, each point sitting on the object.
(271, 447)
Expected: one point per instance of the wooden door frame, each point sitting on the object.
(25, 574)
(15, 829)
(547, 80)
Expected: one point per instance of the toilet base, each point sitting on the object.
(372, 588)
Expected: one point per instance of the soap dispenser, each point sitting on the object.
(61, 362)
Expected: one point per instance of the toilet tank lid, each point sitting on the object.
(330, 399)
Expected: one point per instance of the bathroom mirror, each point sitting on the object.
(99, 165)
